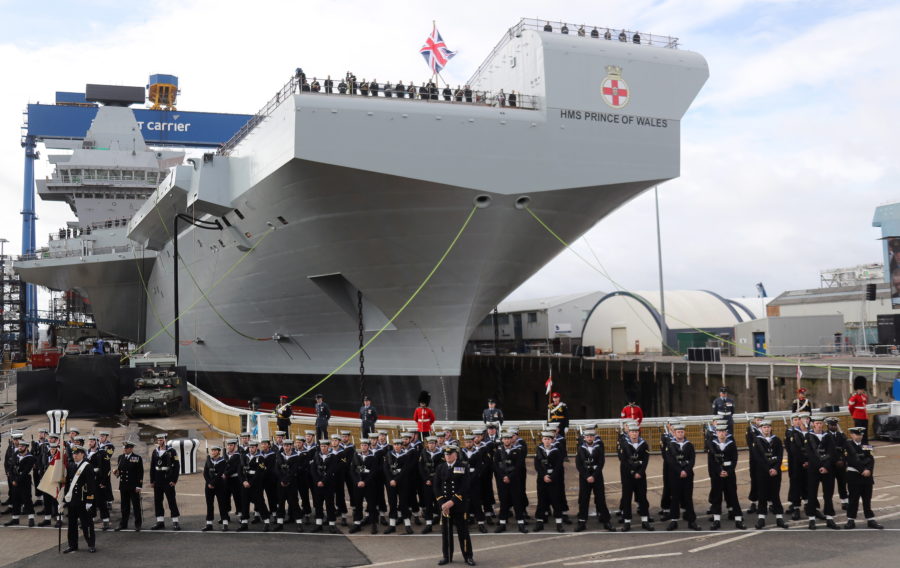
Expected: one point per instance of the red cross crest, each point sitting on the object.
(614, 89)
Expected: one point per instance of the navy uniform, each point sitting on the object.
(768, 451)
(364, 473)
(329, 85)
(323, 415)
(164, 471)
(821, 451)
(492, 413)
(234, 473)
(100, 462)
(723, 459)
(368, 416)
(681, 457)
(270, 479)
(429, 458)
(20, 484)
(38, 448)
(750, 435)
(304, 485)
(589, 461)
(9, 460)
(450, 493)
(130, 472)
(50, 452)
(840, 465)
(634, 456)
(473, 458)
(288, 467)
(253, 482)
(508, 465)
(215, 477)
(397, 466)
(795, 446)
(106, 445)
(80, 496)
(548, 464)
(283, 413)
(323, 476)
(725, 404)
(860, 477)
(665, 500)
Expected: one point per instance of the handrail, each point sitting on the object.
(298, 85)
(576, 30)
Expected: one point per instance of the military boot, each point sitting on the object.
(580, 526)
(873, 524)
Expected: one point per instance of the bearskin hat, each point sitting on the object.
(425, 398)
(859, 382)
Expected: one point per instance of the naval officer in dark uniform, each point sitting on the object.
(725, 404)
(368, 416)
(451, 492)
(492, 413)
(323, 415)
(79, 498)
(130, 471)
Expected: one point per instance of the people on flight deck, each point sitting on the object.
(548, 27)
(581, 31)
(388, 90)
(411, 90)
(373, 88)
(458, 94)
(564, 29)
(364, 88)
(400, 90)
(447, 93)
(329, 85)
(342, 88)
(636, 38)
(315, 86)
(607, 34)
(622, 36)
(513, 98)
(468, 93)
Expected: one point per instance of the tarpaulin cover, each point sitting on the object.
(88, 385)
(35, 391)
(887, 426)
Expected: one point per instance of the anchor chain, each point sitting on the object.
(362, 354)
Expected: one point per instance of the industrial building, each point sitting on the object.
(630, 322)
(551, 324)
(789, 335)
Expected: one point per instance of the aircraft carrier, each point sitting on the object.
(327, 212)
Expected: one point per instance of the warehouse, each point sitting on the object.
(630, 322)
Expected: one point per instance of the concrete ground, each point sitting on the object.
(37, 547)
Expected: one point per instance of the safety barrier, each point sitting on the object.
(228, 420)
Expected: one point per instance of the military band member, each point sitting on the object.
(79, 499)
(130, 472)
(100, 462)
(634, 456)
(283, 412)
(20, 484)
(589, 461)
(768, 451)
(450, 492)
(323, 477)
(821, 452)
(288, 466)
(396, 467)
(363, 472)
(860, 477)
(368, 416)
(323, 415)
(164, 470)
(801, 403)
(724, 403)
(857, 407)
(548, 465)
(215, 477)
(723, 458)
(253, 481)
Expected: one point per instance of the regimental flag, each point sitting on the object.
(435, 51)
(549, 382)
(55, 477)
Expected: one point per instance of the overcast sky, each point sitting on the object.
(785, 153)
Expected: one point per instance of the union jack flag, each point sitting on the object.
(435, 51)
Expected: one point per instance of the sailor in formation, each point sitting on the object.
(164, 471)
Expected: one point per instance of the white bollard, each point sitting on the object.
(57, 420)
(186, 448)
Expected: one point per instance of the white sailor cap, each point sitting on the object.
(478, 432)
(245, 434)
(231, 441)
(633, 427)
(765, 423)
(548, 434)
(406, 435)
(468, 437)
(431, 439)
(818, 418)
(216, 447)
(680, 426)
(441, 434)
(309, 432)
(589, 433)
(324, 442)
(281, 433)
(721, 427)
(103, 433)
(506, 434)
(382, 432)
(346, 432)
(253, 442)
(335, 436)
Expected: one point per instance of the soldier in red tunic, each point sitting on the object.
(857, 407)
(632, 412)
(424, 416)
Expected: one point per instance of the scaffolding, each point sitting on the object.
(12, 314)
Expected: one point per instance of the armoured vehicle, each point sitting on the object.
(156, 392)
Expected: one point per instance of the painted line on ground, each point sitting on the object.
(611, 551)
(721, 542)
(641, 557)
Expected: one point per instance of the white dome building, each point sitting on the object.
(627, 322)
